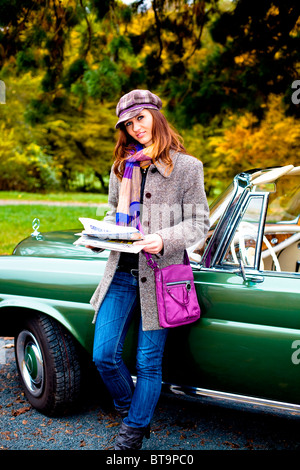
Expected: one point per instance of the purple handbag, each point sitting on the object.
(176, 295)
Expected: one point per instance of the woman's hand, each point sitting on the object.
(153, 243)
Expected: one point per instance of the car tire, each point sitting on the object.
(48, 365)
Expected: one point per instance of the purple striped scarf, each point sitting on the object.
(128, 210)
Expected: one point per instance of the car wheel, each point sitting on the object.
(48, 364)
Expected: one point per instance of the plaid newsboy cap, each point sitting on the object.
(132, 103)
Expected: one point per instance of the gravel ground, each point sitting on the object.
(179, 424)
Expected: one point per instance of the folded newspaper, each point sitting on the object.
(100, 234)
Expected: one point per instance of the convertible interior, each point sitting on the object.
(281, 247)
(280, 250)
(281, 240)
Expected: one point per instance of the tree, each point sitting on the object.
(217, 64)
(244, 144)
(257, 54)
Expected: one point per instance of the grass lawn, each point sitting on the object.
(16, 221)
(63, 197)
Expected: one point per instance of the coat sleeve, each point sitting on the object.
(113, 197)
(110, 216)
(194, 225)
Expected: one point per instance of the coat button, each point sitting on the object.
(143, 279)
(148, 195)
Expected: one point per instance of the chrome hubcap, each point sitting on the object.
(30, 361)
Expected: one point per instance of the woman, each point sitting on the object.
(151, 171)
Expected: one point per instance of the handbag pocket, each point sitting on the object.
(179, 291)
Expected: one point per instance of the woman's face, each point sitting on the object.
(140, 127)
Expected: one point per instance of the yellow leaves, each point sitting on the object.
(137, 26)
(75, 43)
(58, 124)
(250, 144)
(296, 29)
(233, 144)
(273, 11)
(242, 142)
(247, 59)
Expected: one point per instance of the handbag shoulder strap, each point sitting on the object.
(186, 259)
(153, 264)
(150, 261)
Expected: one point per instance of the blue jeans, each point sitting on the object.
(113, 320)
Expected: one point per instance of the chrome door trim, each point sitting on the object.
(217, 396)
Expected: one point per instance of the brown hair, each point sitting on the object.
(165, 138)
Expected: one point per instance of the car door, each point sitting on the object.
(250, 323)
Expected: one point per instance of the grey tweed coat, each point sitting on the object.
(175, 207)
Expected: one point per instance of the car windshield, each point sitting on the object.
(284, 203)
(219, 205)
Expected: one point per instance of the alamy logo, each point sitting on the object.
(2, 92)
(296, 94)
(296, 354)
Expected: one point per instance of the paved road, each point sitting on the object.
(179, 424)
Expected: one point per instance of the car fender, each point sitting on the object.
(65, 312)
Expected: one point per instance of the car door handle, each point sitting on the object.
(241, 272)
(255, 279)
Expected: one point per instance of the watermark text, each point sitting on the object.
(2, 92)
(296, 94)
(296, 354)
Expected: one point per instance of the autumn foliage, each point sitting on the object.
(224, 71)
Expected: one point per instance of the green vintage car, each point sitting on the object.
(246, 346)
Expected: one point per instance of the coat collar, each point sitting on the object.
(163, 168)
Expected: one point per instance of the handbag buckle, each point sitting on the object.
(152, 264)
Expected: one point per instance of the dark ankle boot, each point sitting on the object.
(131, 438)
(123, 412)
